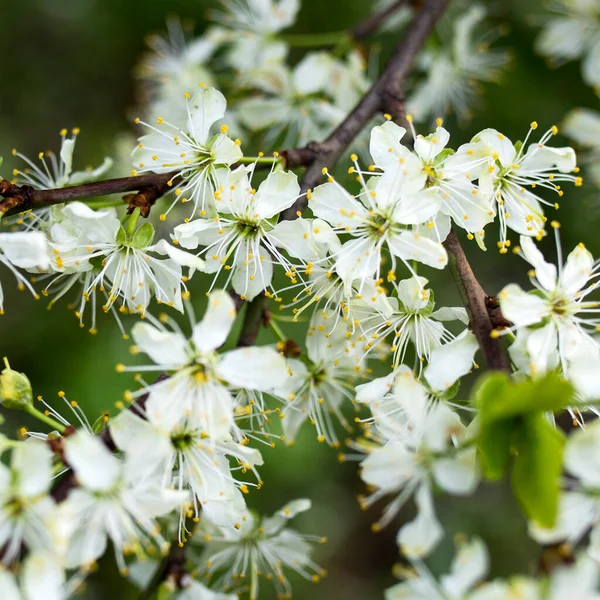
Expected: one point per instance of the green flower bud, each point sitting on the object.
(15, 389)
(100, 423)
(143, 237)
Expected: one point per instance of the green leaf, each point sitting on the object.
(121, 238)
(165, 591)
(143, 236)
(494, 447)
(537, 469)
(498, 398)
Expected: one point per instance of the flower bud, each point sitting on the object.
(15, 389)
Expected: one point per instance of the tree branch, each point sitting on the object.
(477, 303)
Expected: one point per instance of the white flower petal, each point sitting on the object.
(95, 225)
(522, 308)
(458, 475)
(469, 567)
(94, 466)
(216, 324)
(412, 293)
(256, 368)
(419, 537)
(583, 125)
(206, 107)
(539, 159)
(195, 590)
(577, 270)
(199, 232)
(576, 513)
(429, 147)
(375, 390)
(582, 454)
(590, 68)
(276, 193)
(413, 246)
(163, 347)
(331, 202)
(312, 74)
(8, 585)
(25, 249)
(541, 347)
(451, 361)
(545, 272)
(385, 146)
(43, 577)
(249, 280)
(499, 144)
(358, 259)
(184, 259)
(32, 461)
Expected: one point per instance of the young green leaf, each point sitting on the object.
(537, 468)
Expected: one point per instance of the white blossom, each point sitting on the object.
(251, 28)
(113, 501)
(241, 239)
(416, 442)
(514, 173)
(261, 546)
(27, 511)
(182, 457)
(188, 150)
(198, 392)
(57, 172)
(23, 250)
(93, 251)
(407, 316)
(454, 73)
(555, 320)
(42, 576)
(573, 33)
(319, 385)
(381, 215)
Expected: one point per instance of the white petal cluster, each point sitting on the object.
(469, 568)
(556, 323)
(455, 72)
(264, 547)
(571, 33)
(189, 417)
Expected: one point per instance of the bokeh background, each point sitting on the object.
(69, 63)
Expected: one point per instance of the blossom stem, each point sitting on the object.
(277, 330)
(253, 319)
(40, 416)
(260, 160)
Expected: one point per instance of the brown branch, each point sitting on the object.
(477, 302)
(26, 197)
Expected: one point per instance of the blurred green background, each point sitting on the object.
(69, 63)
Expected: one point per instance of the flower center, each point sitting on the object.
(182, 441)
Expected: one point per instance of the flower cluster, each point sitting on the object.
(572, 32)
(381, 355)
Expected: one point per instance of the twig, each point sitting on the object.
(477, 303)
